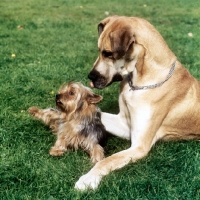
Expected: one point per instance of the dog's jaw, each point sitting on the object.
(104, 73)
(100, 82)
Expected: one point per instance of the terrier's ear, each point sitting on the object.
(94, 98)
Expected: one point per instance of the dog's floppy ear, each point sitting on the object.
(94, 98)
(100, 28)
(121, 39)
(103, 23)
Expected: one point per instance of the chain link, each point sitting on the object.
(150, 86)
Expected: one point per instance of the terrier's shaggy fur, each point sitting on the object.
(76, 122)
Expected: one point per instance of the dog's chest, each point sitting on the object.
(71, 127)
(133, 97)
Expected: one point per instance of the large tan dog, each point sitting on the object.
(159, 99)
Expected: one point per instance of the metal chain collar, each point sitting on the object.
(150, 86)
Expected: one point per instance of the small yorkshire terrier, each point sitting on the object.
(76, 122)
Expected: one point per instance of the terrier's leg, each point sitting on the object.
(59, 148)
(49, 116)
(96, 153)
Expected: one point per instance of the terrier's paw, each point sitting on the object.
(56, 152)
(96, 154)
(33, 110)
(96, 159)
(88, 181)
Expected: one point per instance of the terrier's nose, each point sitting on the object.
(57, 96)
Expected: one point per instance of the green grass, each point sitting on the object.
(58, 43)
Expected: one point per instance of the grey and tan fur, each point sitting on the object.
(76, 122)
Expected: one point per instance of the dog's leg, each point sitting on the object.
(59, 148)
(111, 163)
(96, 153)
(102, 168)
(49, 116)
(143, 136)
(116, 125)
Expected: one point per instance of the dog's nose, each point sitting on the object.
(57, 96)
(92, 76)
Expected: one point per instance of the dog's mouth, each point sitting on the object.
(98, 85)
(97, 80)
(57, 100)
(100, 82)
(59, 104)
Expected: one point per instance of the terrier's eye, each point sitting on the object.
(107, 54)
(71, 93)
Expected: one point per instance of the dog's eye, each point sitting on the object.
(71, 93)
(107, 54)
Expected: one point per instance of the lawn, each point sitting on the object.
(44, 44)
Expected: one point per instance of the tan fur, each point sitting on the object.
(169, 112)
(76, 109)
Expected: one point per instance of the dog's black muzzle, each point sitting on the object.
(100, 81)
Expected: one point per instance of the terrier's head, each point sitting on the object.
(75, 97)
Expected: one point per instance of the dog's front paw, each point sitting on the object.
(96, 159)
(33, 110)
(88, 181)
(56, 151)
